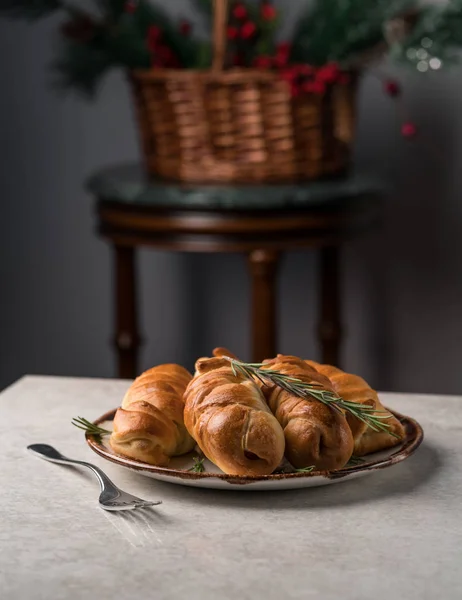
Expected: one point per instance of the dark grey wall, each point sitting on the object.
(403, 287)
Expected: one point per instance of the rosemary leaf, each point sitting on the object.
(89, 427)
(355, 461)
(367, 414)
(305, 470)
(199, 466)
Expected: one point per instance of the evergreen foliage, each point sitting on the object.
(115, 34)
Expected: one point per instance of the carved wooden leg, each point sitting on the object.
(330, 329)
(127, 340)
(263, 268)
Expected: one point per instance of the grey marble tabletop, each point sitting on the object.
(394, 534)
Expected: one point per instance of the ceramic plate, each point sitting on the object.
(178, 472)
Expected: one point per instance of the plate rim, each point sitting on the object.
(414, 438)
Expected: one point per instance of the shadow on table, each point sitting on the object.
(400, 480)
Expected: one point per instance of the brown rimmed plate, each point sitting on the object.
(179, 470)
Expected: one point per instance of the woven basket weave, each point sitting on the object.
(240, 125)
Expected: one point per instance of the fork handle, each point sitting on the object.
(52, 455)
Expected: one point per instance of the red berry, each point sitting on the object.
(304, 70)
(268, 12)
(240, 12)
(165, 54)
(392, 88)
(328, 73)
(154, 36)
(280, 62)
(248, 30)
(283, 49)
(238, 60)
(185, 28)
(344, 79)
(131, 6)
(314, 87)
(288, 74)
(408, 130)
(295, 90)
(263, 62)
(233, 32)
(282, 55)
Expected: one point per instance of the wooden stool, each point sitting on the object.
(259, 221)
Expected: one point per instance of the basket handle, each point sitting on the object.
(220, 21)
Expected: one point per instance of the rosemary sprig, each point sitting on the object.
(90, 428)
(305, 470)
(355, 461)
(199, 466)
(367, 414)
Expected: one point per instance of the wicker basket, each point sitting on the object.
(241, 125)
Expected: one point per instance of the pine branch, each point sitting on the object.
(349, 32)
(146, 15)
(333, 31)
(81, 67)
(125, 46)
(440, 28)
(204, 57)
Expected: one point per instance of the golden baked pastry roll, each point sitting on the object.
(228, 417)
(149, 426)
(220, 352)
(316, 435)
(354, 389)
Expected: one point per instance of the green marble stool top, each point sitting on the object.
(128, 184)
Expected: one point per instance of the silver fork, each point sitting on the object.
(111, 498)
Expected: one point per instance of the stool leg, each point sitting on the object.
(263, 269)
(330, 330)
(127, 340)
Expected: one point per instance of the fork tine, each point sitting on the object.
(116, 508)
(132, 505)
(146, 504)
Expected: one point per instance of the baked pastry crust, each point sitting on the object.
(149, 426)
(355, 389)
(316, 435)
(228, 417)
